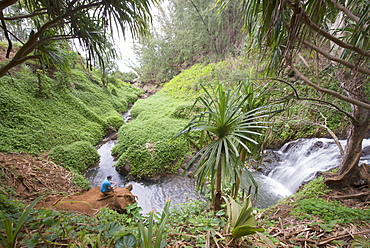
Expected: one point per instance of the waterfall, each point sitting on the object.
(301, 160)
(292, 165)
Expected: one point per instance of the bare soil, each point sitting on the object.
(31, 176)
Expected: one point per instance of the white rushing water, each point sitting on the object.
(301, 160)
(296, 163)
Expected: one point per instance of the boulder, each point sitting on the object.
(92, 201)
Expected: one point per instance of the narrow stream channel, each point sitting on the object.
(289, 167)
(296, 162)
(151, 195)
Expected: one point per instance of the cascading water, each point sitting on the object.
(301, 160)
(294, 164)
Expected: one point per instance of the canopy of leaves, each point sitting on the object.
(44, 23)
(186, 33)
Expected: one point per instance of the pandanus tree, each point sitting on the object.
(229, 128)
(291, 34)
(91, 22)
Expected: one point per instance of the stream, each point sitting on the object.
(286, 169)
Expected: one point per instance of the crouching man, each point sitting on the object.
(107, 185)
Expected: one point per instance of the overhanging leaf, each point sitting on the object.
(241, 231)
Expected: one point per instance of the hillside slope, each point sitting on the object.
(39, 113)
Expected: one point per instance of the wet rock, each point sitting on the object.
(125, 170)
(269, 162)
(180, 171)
(190, 174)
(365, 151)
(114, 136)
(128, 118)
(186, 162)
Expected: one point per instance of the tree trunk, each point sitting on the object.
(217, 198)
(350, 174)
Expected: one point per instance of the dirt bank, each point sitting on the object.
(31, 177)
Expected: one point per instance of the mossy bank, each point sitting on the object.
(65, 113)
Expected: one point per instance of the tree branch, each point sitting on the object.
(313, 99)
(14, 36)
(6, 3)
(205, 25)
(307, 20)
(13, 18)
(336, 59)
(34, 41)
(332, 134)
(10, 44)
(59, 37)
(330, 92)
(347, 12)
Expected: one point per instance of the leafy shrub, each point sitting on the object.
(77, 156)
(115, 121)
(308, 203)
(145, 143)
(81, 181)
(154, 159)
(194, 218)
(313, 189)
(184, 111)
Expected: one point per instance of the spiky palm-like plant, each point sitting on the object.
(231, 129)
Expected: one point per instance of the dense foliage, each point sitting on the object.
(192, 224)
(78, 156)
(146, 143)
(69, 112)
(62, 115)
(186, 33)
(43, 30)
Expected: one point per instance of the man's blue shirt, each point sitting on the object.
(106, 183)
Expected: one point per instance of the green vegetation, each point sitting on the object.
(146, 145)
(50, 228)
(309, 204)
(333, 212)
(146, 142)
(34, 124)
(191, 223)
(77, 156)
(73, 117)
(11, 238)
(66, 112)
(190, 32)
(230, 124)
(308, 201)
(90, 23)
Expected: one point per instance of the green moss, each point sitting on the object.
(146, 142)
(152, 159)
(313, 189)
(328, 211)
(39, 115)
(77, 156)
(115, 121)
